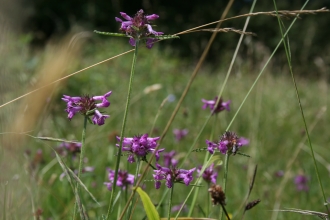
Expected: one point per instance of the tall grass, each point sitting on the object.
(269, 118)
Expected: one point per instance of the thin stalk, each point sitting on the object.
(82, 152)
(4, 215)
(224, 181)
(200, 180)
(122, 133)
(138, 162)
(288, 55)
(170, 203)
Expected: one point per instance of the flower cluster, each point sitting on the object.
(179, 134)
(72, 147)
(172, 175)
(209, 174)
(169, 160)
(123, 180)
(138, 27)
(301, 182)
(87, 106)
(229, 142)
(216, 109)
(140, 146)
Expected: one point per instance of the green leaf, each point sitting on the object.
(54, 139)
(149, 207)
(216, 159)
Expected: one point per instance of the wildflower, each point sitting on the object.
(216, 109)
(139, 28)
(140, 146)
(172, 176)
(301, 182)
(169, 160)
(87, 106)
(72, 147)
(279, 173)
(229, 142)
(124, 179)
(209, 174)
(179, 134)
(217, 195)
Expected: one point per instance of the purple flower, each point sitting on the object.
(179, 134)
(216, 109)
(229, 142)
(279, 173)
(209, 174)
(98, 118)
(123, 180)
(169, 160)
(139, 28)
(73, 148)
(172, 176)
(87, 106)
(301, 182)
(140, 146)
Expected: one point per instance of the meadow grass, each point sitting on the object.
(270, 119)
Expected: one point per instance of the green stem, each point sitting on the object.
(122, 133)
(192, 206)
(138, 162)
(288, 56)
(224, 181)
(82, 151)
(170, 203)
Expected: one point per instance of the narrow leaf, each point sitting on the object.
(189, 218)
(149, 207)
(74, 189)
(75, 177)
(54, 139)
(110, 34)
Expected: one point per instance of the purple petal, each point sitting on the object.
(124, 15)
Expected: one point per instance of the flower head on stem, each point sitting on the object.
(169, 160)
(216, 109)
(140, 146)
(301, 182)
(172, 176)
(209, 175)
(87, 106)
(229, 142)
(138, 27)
(124, 179)
(179, 134)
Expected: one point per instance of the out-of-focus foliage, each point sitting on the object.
(310, 33)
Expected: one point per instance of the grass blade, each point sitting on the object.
(149, 207)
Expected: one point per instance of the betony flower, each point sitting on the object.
(140, 146)
(139, 28)
(71, 147)
(172, 176)
(301, 182)
(179, 134)
(87, 106)
(209, 175)
(229, 142)
(169, 160)
(124, 179)
(216, 109)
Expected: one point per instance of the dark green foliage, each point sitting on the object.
(310, 33)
